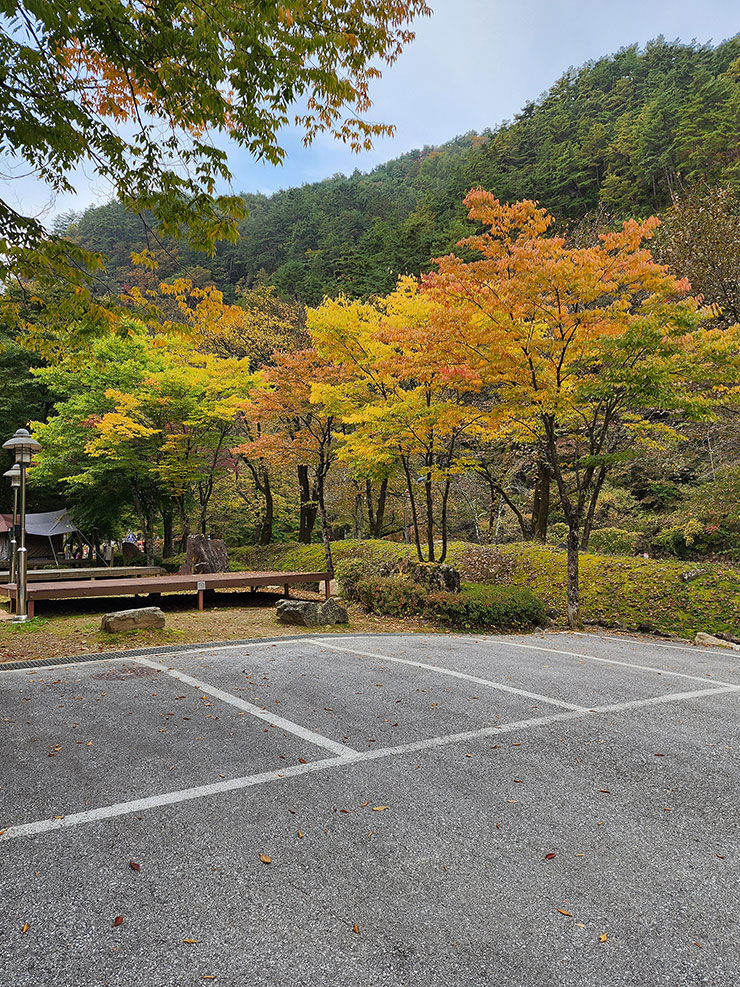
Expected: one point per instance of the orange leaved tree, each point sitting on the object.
(295, 427)
(584, 351)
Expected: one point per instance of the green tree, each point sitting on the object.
(137, 92)
(146, 423)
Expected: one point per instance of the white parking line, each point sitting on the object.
(210, 690)
(674, 697)
(712, 650)
(613, 661)
(206, 650)
(441, 670)
(70, 663)
(345, 759)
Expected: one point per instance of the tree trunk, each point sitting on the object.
(443, 519)
(325, 533)
(412, 501)
(269, 516)
(376, 515)
(184, 523)
(493, 512)
(308, 507)
(380, 511)
(370, 511)
(430, 517)
(202, 518)
(168, 549)
(149, 538)
(574, 614)
(541, 506)
(145, 514)
(588, 523)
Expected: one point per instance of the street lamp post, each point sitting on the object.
(23, 446)
(14, 475)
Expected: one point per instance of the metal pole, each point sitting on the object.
(21, 602)
(13, 542)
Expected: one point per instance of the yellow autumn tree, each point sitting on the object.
(582, 351)
(402, 399)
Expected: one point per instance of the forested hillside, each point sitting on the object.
(620, 133)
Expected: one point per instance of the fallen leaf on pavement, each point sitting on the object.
(300, 835)
(302, 760)
(191, 940)
(379, 808)
(603, 937)
(134, 866)
(25, 928)
(118, 920)
(265, 859)
(548, 856)
(356, 929)
(563, 912)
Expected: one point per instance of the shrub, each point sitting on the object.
(476, 605)
(394, 597)
(481, 605)
(173, 563)
(349, 573)
(613, 541)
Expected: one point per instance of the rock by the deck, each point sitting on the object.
(205, 555)
(710, 641)
(128, 620)
(333, 612)
(310, 613)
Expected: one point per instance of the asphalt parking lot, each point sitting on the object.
(549, 809)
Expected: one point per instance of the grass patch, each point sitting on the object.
(635, 594)
(230, 620)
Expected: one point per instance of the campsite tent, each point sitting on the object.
(44, 534)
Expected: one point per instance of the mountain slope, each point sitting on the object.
(621, 132)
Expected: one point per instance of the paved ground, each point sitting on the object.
(438, 810)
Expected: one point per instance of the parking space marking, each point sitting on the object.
(713, 650)
(624, 664)
(278, 721)
(440, 669)
(673, 697)
(346, 758)
(205, 649)
(69, 663)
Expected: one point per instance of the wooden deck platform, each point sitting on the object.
(154, 586)
(96, 572)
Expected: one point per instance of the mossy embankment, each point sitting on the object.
(633, 593)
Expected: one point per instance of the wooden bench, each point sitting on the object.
(79, 589)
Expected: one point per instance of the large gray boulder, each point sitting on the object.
(129, 620)
(205, 555)
(311, 613)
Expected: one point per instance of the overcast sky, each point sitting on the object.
(473, 64)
